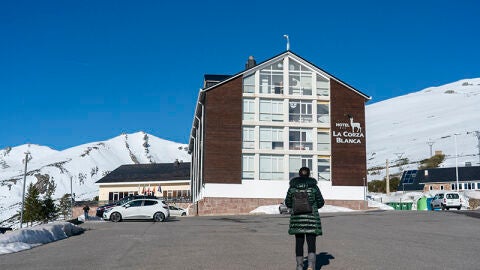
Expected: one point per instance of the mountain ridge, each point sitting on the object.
(403, 126)
(78, 167)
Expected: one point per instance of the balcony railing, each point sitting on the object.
(300, 118)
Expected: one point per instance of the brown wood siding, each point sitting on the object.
(223, 133)
(348, 159)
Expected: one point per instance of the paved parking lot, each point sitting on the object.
(359, 240)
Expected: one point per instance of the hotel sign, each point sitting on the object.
(349, 133)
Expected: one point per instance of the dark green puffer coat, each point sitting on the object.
(305, 223)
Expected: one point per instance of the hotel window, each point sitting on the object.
(323, 87)
(300, 139)
(297, 162)
(249, 84)
(271, 79)
(248, 168)
(300, 111)
(248, 109)
(322, 113)
(271, 110)
(271, 138)
(271, 167)
(478, 185)
(323, 141)
(248, 138)
(300, 79)
(323, 166)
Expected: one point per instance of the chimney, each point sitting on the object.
(250, 62)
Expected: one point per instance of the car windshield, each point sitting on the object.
(124, 200)
(452, 196)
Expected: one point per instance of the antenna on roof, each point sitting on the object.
(288, 42)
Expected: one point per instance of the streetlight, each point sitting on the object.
(23, 193)
(456, 157)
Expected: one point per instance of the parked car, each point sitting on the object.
(177, 211)
(283, 209)
(446, 200)
(154, 209)
(102, 208)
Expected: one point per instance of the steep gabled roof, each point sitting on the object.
(298, 58)
(148, 173)
(201, 94)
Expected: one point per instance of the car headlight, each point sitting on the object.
(108, 210)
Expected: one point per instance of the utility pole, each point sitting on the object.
(71, 198)
(456, 157)
(387, 179)
(477, 134)
(430, 143)
(24, 184)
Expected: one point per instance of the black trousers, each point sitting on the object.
(300, 240)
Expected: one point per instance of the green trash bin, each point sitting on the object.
(422, 204)
(392, 204)
(409, 205)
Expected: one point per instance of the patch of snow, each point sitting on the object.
(27, 238)
(379, 205)
(472, 194)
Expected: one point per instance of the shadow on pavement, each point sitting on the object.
(323, 258)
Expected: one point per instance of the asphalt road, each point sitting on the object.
(361, 240)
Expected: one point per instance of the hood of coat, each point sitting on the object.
(303, 182)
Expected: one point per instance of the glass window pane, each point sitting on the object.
(249, 84)
(323, 86)
(323, 166)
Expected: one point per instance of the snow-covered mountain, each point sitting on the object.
(401, 127)
(82, 165)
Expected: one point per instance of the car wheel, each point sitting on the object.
(431, 207)
(458, 208)
(443, 207)
(184, 214)
(158, 217)
(115, 217)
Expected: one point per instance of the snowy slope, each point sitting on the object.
(84, 165)
(401, 127)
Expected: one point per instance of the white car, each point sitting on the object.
(446, 200)
(177, 211)
(154, 209)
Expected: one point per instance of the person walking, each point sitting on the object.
(85, 211)
(304, 223)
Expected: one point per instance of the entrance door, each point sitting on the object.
(116, 196)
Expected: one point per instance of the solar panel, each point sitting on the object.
(408, 177)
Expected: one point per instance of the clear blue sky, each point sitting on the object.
(73, 72)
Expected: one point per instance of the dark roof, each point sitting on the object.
(439, 175)
(449, 174)
(148, 172)
(212, 79)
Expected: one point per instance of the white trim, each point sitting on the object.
(278, 189)
(187, 181)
